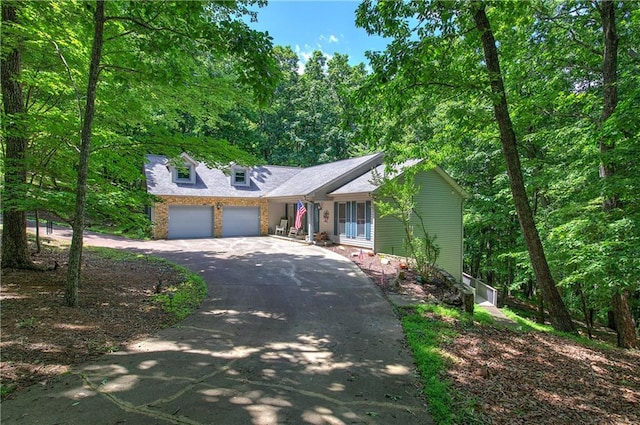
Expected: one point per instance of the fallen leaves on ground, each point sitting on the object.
(42, 337)
(507, 376)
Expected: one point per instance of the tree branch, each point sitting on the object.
(73, 82)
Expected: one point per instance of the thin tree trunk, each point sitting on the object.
(586, 312)
(15, 246)
(38, 244)
(559, 316)
(621, 312)
(75, 251)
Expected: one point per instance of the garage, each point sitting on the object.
(240, 221)
(190, 222)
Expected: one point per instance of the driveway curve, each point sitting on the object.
(288, 334)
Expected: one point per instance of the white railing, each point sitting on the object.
(482, 290)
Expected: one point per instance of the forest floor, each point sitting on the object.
(42, 337)
(503, 375)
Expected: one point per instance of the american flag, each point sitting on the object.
(299, 214)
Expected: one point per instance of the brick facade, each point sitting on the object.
(161, 212)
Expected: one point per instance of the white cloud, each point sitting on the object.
(330, 38)
(306, 52)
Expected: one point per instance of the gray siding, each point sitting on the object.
(441, 208)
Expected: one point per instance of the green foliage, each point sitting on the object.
(311, 118)
(427, 98)
(5, 390)
(183, 299)
(160, 60)
(396, 198)
(30, 322)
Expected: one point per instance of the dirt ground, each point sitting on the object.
(41, 337)
(501, 376)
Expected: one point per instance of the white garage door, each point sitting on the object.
(240, 221)
(190, 222)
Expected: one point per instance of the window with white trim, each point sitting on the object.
(360, 220)
(184, 174)
(353, 219)
(240, 176)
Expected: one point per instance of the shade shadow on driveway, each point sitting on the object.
(288, 334)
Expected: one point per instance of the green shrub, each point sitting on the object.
(183, 299)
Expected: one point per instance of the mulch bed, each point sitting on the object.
(384, 269)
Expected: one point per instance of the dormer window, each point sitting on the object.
(185, 172)
(240, 176)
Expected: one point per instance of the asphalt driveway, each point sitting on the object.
(289, 334)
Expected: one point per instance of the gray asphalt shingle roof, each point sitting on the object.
(266, 181)
(365, 183)
(326, 177)
(213, 182)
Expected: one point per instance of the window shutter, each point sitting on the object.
(347, 227)
(335, 219)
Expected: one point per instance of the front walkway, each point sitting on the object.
(495, 312)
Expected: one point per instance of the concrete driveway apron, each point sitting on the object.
(289, 334)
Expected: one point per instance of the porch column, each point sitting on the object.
(310, 211)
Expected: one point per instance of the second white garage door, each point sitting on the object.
(190, 222)
(240, 221)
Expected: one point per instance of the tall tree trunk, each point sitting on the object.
(15, 247)
(624, 321)
(609, 91)
(621, 312)
(75, 252)
(559, 316)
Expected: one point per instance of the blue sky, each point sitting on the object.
(308, 25)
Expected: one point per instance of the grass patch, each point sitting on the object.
(117, 254)
(183, 299)
(5, 390)
(526, 324)
(125, 232)
(427, 328)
